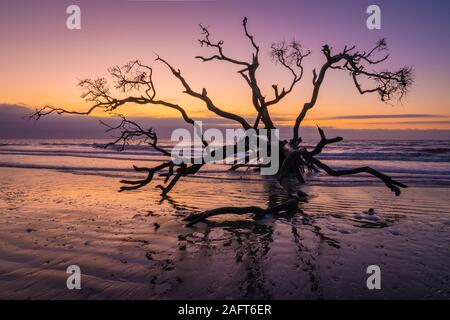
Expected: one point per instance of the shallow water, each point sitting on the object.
(421, 162)
(52, 219)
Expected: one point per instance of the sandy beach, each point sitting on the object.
(50, 220)
(225, 150)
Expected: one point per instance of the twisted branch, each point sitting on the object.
(388, 84)
(257, 211)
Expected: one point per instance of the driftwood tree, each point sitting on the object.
(135, 80)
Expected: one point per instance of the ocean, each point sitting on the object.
(415, 162)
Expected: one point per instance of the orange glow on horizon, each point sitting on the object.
(43, 62)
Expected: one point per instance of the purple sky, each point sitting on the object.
(42, 60)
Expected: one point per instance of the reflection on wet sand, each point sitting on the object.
(135, 245)
(253, 239)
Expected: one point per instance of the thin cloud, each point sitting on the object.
(412, 122)
(382, 116)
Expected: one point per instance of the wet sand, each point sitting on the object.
(50, 220)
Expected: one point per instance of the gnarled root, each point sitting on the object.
(388, 181)
(257, 211)
(309, 156)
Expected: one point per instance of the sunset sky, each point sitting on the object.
(41, 60)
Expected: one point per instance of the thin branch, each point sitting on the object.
(204, 97)
(289, 56)
(132, 133)
(248, 73)
(206, 41)
(388, 84)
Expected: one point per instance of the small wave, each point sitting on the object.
(219, 174)
(386, 156)
(66, 144)
(89, 155)
(423, 162)
(101, 145)
(62, 168)
(432, 155)
(12, 144)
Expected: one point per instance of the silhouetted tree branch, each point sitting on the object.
(134, 81)
(204, 97)
(387, 84)
(309, 156)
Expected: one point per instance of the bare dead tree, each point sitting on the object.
(135, 81)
